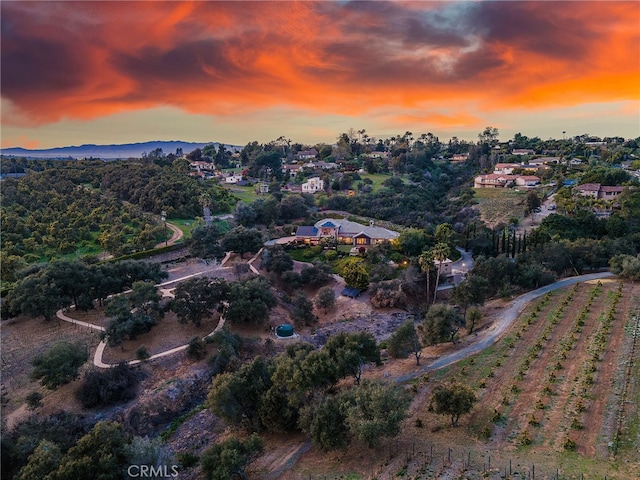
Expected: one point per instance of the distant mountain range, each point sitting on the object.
(111, 152)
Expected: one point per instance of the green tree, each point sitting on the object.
(351, 351)
(42, 463)
(412, 241)
(100, 454)
(195, 298)
(473, 291)
(250, 301)
(532, 201)
(34, 400)
(440, 253)
(325, 422)
(374, 410)
(325, 299)
(277, 260)
(242, 240)
(453, 399)
(404, 341)
(59, 365)
(445, 234)
(237, 396)
(228, 459)
(425, 260)
(473, 316)
(441, 323)
(205, 242)
(626, 266)
(302, 313)
(355, 274)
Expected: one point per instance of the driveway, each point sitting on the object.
(491, 335)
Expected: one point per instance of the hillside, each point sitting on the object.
(109, 152)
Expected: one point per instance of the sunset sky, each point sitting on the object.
(119, 72)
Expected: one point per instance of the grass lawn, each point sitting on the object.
(244, 194)
(188, 224)
(378, 178)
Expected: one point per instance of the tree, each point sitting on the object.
(533, 201)
(205, 242)
(277, 260)
(228, 459)
(440, 324)
(355, 274)
(404, 341)
(374, 410)
(412, 241)
(242, 240)
(440, 253)
(325, 422)
(351, 351)
(98, 454)
(197, 349)
(293, 207)
(473, 291)
(249, 301)
(302, 313)
(34, 400)
(245, 215)
(453, 399)
(42, 463)
(626, 266)
(445, 233)
(237, 396)
(473, 316)
(325, 299)
(318, 275)
(425, 260)
(195, 298)
(59, 365)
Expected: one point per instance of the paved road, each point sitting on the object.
(503, 322)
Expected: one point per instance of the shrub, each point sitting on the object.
(107, 387)
(59, 365)
(197, 349)
(34, 400)
(142, 353)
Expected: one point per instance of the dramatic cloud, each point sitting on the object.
(84, 60)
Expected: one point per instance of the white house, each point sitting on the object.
(313, 185)
(505, 168)
(233, 178)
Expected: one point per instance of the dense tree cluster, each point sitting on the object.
(293, 391)
(44, 289)
(247, 301)
(108, 386)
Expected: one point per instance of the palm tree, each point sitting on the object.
(440, 253)
(425, 260)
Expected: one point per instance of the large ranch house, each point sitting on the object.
(344, 231)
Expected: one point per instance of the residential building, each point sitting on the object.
(598, 191)
(460, 157)
(505, 168)
(313, 185)
(493, 180)
(233, 178)
(307, 154)
(527, 181)
(522, 151)
(344, 231)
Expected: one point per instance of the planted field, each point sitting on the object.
(557, 398)
(499, 205)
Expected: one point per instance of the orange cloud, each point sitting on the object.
(84, 60)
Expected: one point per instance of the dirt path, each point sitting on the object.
(176, 236)
(504, 320)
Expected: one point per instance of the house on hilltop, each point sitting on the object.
(344, 231)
